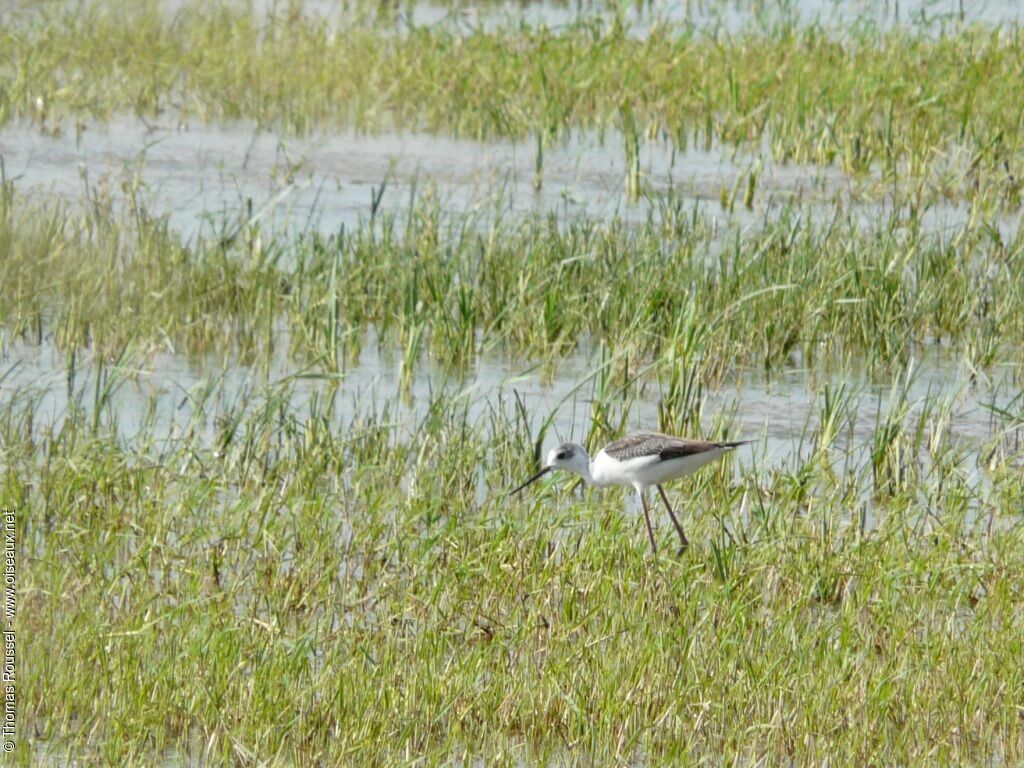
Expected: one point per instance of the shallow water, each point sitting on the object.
(202, 176)
(169, 396)
(199, 172)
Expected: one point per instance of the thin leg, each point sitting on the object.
(683, 543)
(647, 518)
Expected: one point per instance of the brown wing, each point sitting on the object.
(663, 446)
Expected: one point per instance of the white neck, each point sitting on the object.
(586, 470)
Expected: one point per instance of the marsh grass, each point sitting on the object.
(895, 102)
(278, 580)
(278, 577)
(291, 591)
(800, 288)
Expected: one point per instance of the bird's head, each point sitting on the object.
(571, 457)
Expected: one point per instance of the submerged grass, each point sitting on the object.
(273, 594)
(897, 101)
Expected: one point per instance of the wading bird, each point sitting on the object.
(640, 460)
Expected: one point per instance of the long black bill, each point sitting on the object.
(533, 479)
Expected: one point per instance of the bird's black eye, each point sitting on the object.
(562, 455)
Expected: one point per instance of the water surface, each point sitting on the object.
(203, 172)
(167, 397)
